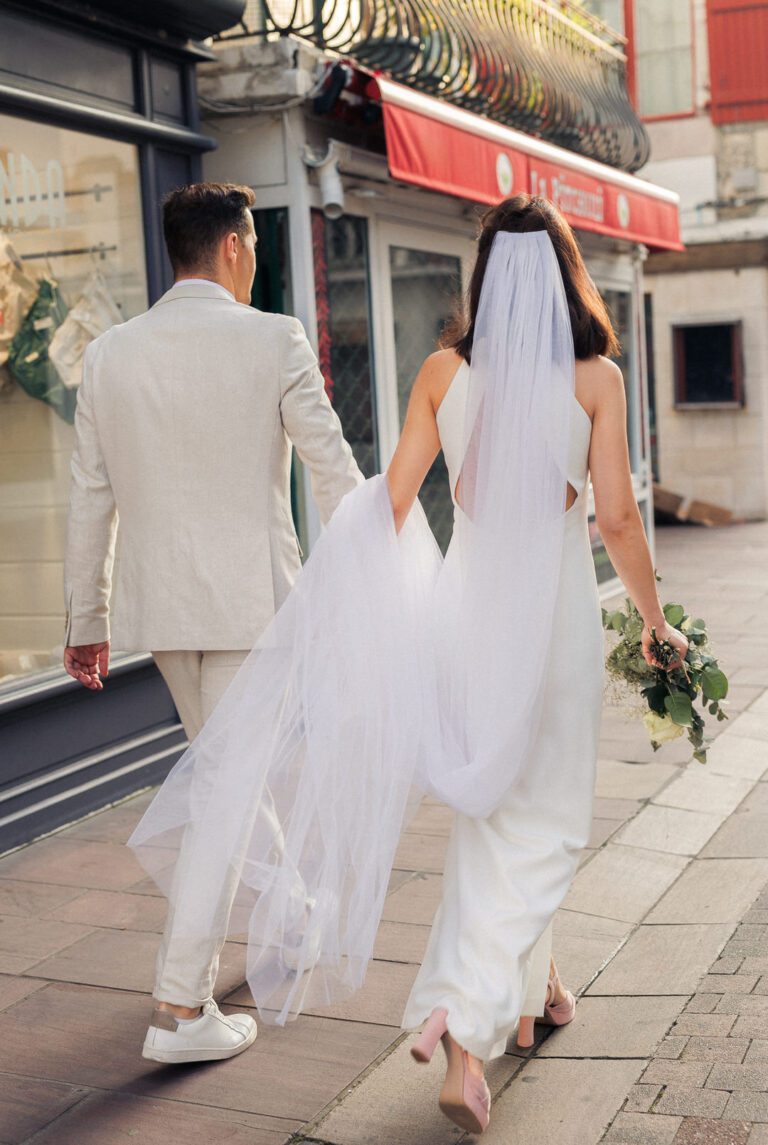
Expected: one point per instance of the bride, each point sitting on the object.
(389, 672)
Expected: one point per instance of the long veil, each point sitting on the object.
(387, 673)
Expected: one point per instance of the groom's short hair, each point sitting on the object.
(197, 217)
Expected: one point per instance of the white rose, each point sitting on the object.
(661, 729)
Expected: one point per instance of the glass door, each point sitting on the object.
(421, 275)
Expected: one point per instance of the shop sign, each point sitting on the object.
(29, 196)
(575, 195)
(435, 145)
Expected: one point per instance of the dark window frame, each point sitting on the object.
(681, 399)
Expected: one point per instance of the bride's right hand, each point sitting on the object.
(665, 634)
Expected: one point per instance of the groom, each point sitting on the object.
(184, 425)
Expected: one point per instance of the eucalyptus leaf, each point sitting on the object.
(714, 683)
(679, 707)
(674, 614)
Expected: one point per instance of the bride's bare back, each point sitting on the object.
(600, 391)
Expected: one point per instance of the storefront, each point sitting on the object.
(377, 226)
(98, 118)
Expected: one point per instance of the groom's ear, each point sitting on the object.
(230, 245)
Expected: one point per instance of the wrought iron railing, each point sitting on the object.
(545, 66)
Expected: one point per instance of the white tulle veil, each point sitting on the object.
(388, 672)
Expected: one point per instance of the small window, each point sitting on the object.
(662, 53)
(708, 365)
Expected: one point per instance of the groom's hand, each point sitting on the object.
(88, 663)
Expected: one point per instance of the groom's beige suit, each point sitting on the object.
(184, 425)
(185, 419)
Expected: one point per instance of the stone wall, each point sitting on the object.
(714, 454)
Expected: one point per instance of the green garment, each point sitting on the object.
(28, 358)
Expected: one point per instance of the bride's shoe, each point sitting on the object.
(558, 1013)
(465, 1098)
(555, 1013)
(434, 1029)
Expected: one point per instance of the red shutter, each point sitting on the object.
(738, 59)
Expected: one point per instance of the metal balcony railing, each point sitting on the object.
(546, 67)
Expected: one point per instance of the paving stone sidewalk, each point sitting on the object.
(661, 935)
(708, 1079)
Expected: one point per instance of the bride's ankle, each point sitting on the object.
(475, 1065)
(559, 993)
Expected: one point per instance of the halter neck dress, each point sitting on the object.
(487, 959)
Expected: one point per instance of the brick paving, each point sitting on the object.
(664, 937)
(712, 1067)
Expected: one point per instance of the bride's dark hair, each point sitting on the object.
(590, 322)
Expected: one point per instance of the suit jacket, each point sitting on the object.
(185, 419)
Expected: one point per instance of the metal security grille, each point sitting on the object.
(345, 342)
(547, 67)
(424, 289)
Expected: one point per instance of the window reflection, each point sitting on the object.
(71, 265)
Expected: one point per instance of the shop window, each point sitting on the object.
(663, 57)
(708, 365)
(72, 263)
(272, 293)
(272, 286)
(345, 340)
(604, 570)
(650, 357)
(619, 303)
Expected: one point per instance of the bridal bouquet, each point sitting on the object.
(669, 693)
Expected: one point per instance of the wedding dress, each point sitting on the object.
(506, 875)
(389, 672)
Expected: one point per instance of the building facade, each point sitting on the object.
(701, 86)
(374, 143)
(98, 118)
(374, 133)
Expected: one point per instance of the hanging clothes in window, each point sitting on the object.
(28, 358)
(94, 312)
(17, 293)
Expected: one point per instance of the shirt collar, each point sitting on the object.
(205, 282)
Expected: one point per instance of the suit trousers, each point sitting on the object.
(186, 968)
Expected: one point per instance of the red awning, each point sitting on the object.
(433, 144)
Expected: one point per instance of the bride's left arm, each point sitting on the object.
(418, 446)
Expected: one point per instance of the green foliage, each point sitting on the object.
(714, 683)
(670, 693)
(673, 614)
(680, 708)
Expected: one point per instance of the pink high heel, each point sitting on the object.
(560, 1013)
(434, 1029)
(465, 1098)
(555, 1013)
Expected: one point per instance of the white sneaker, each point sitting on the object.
(211, 1037)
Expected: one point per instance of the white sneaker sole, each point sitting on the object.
(215, 1054)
